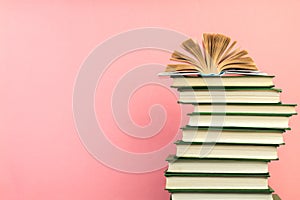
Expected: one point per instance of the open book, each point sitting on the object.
(216, 56)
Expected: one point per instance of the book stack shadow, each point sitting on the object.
(232, 135)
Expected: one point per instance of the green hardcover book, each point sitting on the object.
(222, 81)
(232, 89)
(250, 129)
(267, 191)
(192, 174)
(241, 114)
(254, 120)
(226, 150)
(229, 166)
(173, 158)
(244, 129)
(276, 108)
(216, 181)
(231, 135)
(222, 194)
(229, 95)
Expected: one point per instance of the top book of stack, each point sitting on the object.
(218, 55)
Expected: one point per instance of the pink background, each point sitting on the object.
(42, 45)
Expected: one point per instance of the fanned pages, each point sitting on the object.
(217, 55)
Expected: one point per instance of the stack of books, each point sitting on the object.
(233, 133)
(236, 126)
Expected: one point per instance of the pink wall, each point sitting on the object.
(42, 45)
